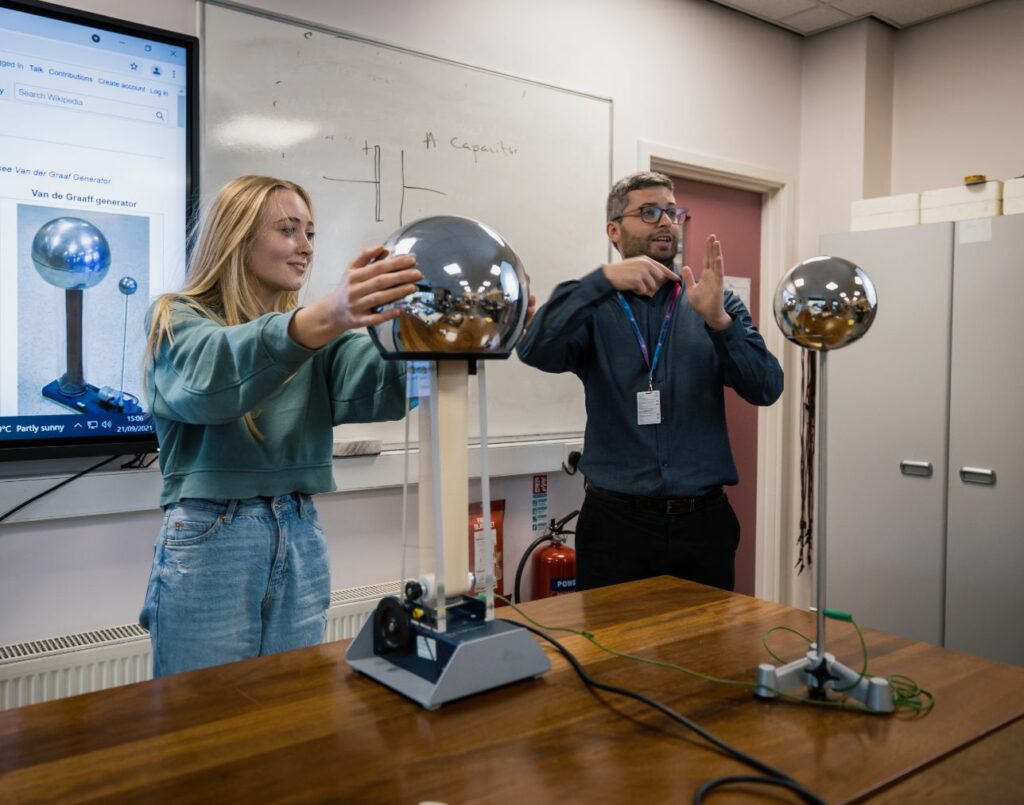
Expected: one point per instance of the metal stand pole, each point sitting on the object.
(821, 501)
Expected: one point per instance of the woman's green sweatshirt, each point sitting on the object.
(209, 376)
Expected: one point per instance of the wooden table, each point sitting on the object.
(303, 726)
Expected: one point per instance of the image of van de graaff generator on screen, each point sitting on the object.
(471, 302)
(73, 254)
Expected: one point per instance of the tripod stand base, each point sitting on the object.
(821, 674)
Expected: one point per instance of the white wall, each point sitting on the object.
(174, 15)
(685, 73)
(900, 111)
(880, 46)
(832, 134)
(958, 108)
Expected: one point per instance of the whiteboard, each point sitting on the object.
(381, 136)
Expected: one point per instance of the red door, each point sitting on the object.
(735, 216)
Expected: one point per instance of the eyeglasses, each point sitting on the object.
(651, 214)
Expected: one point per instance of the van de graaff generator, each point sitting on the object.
(438, 640)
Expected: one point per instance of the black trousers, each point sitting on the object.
(617, 541)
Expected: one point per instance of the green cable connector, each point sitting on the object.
(838, 615)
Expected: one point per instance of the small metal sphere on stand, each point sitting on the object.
(825, 303)
(822, 304)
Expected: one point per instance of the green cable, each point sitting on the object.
(835, 614)
(672, 667)
(906, 692)
(772, 654)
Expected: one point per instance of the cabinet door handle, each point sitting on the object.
(977, 475)
(922, 469)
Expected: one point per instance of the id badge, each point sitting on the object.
(648, 407)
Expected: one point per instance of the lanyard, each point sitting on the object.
(669, 310)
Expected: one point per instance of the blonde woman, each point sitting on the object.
(244, 387)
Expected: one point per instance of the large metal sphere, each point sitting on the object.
(471, 302)
(70, 253)
(825, 303)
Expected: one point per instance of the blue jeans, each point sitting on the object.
(233, 579)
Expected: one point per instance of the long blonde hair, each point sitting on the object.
(218, 284)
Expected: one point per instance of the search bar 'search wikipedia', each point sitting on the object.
(90, 104)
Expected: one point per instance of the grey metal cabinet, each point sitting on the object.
(889, 398)
(985, 528)
(925, 450)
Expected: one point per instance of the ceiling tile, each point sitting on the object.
(903, 12)
(813, 16)
(771, 9)
(818, 18)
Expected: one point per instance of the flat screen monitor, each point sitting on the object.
(98, 174)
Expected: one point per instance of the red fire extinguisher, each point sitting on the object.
(554, 568)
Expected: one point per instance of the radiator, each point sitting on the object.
(43, 670)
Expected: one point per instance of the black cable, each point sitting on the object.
(774, 776)
(522, 562)
(137, 462)
(738, 779)
(55, 487)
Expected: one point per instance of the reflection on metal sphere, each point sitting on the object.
(70, 253)
(825, 303)
(127, 286)
(471, 302)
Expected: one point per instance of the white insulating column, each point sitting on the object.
(444, 478)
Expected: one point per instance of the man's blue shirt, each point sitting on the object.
(583, 329)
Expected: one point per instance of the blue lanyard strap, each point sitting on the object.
(669, 310)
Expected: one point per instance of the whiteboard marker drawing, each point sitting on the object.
(377, 182)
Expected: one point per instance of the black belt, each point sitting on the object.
(660, 505)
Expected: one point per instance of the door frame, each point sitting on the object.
(777, 466)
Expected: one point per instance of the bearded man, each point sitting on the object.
(654, 350)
